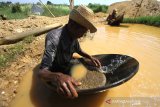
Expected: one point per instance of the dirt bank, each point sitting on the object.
(8, 27)
(136, 8)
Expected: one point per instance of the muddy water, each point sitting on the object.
(139, 41)
(78, 72)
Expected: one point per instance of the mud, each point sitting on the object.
(93, 79)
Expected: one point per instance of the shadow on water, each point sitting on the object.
(124, 26)
(121, 25)
(41, 96)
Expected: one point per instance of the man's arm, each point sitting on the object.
(109, 17)
(86, 55)
(64, 83)
(94, 60)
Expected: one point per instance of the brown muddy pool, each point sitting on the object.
(139, 41)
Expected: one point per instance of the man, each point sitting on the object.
(60, 45)
(114, 19)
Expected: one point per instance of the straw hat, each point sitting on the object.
(84, 16)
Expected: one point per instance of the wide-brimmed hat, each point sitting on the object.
(84, 16)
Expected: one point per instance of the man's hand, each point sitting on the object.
(65, 86)
(64, 83)
(95, 61)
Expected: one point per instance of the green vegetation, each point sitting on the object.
(13, 52)
(98, 8)
(20, 11)
(149, 20)
(15, 11)
(16, 8)
(57, 10)
(28, 39)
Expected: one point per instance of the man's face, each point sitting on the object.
(76, 29)
(114, 11)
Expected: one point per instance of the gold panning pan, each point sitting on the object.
(116, 69)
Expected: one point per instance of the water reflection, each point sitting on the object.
(115, 63)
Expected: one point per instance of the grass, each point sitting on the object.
(7, 11)
(28, 39)
(57, 10)
(13, 52)
(148, 20)
(98, 7)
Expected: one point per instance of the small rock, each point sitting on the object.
(10, 29)
(33, 17)
(18, 30)
(5, 50)
(36, 25)
(15, 82)
(15, 91)
(10, 22)
(14, 95)
(2, 92)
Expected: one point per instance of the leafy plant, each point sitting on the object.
(16, 8)
(149, 20)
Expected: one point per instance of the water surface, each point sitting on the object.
(139, 41)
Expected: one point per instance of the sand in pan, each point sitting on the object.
(89, 79)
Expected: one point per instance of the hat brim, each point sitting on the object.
(80, 19)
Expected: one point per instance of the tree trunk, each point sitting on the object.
(71, 4)
(20, 36)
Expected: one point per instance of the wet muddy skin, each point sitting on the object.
(138, 41)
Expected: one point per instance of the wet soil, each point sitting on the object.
(93, 79)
